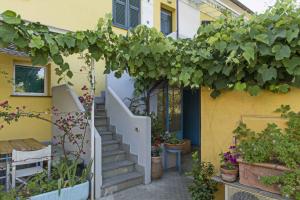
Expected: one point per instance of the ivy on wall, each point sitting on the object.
(231, 53)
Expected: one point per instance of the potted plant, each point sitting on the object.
(229, 165)
(157, 135)
(270, 159)
(203, 186)
(172, 142)
(156, 162)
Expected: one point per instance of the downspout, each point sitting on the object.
(92, 128)
(177, 19)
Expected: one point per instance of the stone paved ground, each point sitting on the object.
(172, 186)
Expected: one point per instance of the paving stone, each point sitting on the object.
(171, 186)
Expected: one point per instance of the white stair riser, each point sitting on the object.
(113, 158)
(118, 171)
(121, 186)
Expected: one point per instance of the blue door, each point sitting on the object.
(191, 116)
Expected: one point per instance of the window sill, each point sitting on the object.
(120, 27)
(16, 95)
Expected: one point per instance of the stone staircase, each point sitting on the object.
(119, 168)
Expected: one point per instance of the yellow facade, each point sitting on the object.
(25, 128)
(209, 12)
(169, 5)
(67, 15)
(219, 117)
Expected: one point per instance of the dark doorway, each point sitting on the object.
(191, 116)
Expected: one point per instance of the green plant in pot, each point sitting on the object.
(229, 165)
(203, 186)
(172, 142)
(272, 154)
(156, 162)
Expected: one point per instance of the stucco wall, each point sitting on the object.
(219, 117)
(68, 15)
(25, 128)
(189, 20)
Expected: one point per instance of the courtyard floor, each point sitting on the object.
(171, 186)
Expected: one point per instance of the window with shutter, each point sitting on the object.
(126, 13)
(166, 22)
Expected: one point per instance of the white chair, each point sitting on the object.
(22, 158)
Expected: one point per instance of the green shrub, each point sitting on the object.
(203, 187)
(275, 145)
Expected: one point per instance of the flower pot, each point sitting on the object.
(187, 148)
(156, 168)
(229, 175)
(250, 174)
(176, 146)
(77, 192)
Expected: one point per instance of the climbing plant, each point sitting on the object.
(233, 53)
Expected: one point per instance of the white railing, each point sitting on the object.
(135, 130)
(66, 100)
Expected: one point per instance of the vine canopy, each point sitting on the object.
(262, 52)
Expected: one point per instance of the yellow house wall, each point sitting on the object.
(69, 15)
(166, 4)
(235, 7)
(25, 128)
(209, 13)
(219, 117)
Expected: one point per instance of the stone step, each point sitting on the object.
(113, 156)
(117, 168)
(106, 135)
(101, 113)
(121, 182)
(99, 106)
(101, 128)
(101, 121)
(110, 145)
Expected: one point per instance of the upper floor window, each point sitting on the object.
(126, 13)
(29, 80)
(165, 21)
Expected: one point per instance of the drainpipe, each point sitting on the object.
(92, 128)
(177, 19)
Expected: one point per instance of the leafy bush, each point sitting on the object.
(203, 187)
(275, 145)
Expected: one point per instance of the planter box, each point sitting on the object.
(78, 192)
(250, 174)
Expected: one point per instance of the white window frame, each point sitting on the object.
(30, 93)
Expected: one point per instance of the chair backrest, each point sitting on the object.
(29, 157)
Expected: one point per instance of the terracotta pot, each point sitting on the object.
(229, 175)
(156, 168)
(250, 174)
(187, 148)
(176, 146)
